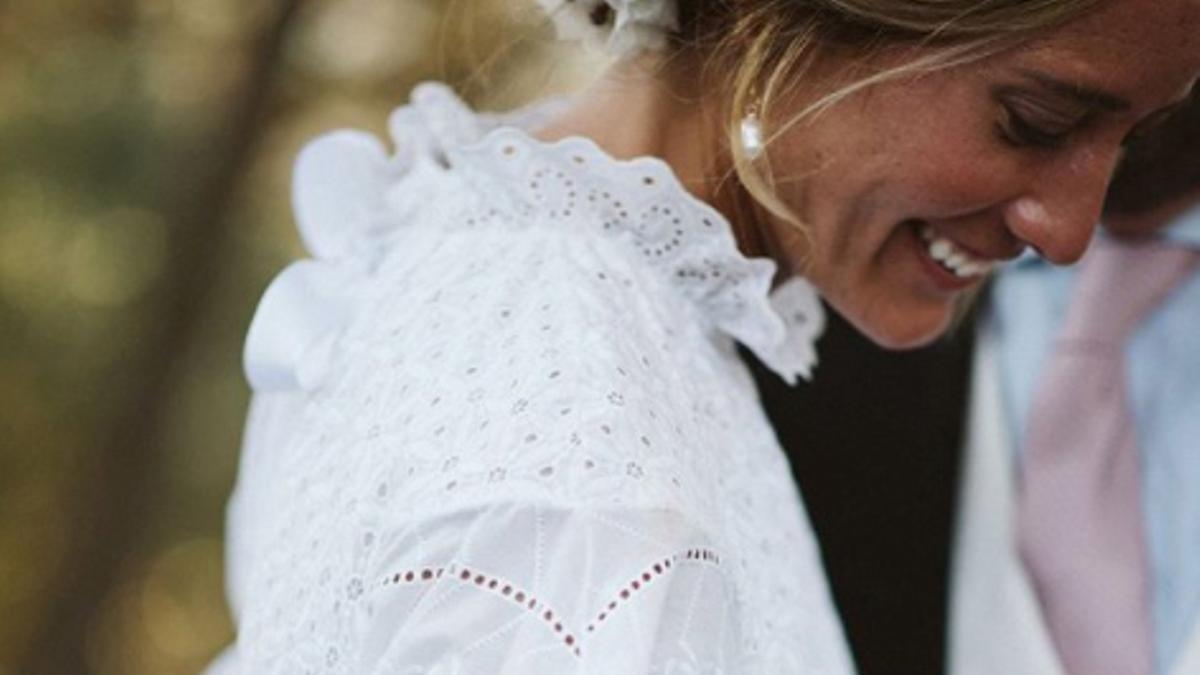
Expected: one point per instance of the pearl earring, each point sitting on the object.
(752, 133)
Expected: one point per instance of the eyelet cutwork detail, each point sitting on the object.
(659, 568)
(505, 589)
(531, 603)
(516, 388)
(354, 200)
(672, 231)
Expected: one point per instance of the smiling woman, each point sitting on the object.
(902, 126)
(500, 422)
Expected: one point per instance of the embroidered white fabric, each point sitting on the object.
(500, 426)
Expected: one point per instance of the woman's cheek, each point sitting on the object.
(963, 185)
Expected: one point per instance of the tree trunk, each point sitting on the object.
(114, 486)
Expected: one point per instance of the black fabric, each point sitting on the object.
(875, 444)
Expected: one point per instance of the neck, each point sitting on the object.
(1146, 223)
(636, 110)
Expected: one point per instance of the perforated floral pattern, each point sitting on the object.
(500, 424)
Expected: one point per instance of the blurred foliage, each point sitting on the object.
(113, 114)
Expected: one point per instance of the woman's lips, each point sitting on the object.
(956, 259)
(950, 266)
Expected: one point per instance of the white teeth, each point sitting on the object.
(953, 258)
(941, 249)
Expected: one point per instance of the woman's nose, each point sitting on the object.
(1059, 213)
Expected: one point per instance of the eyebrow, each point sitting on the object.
(1079, 92)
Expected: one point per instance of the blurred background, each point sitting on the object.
(145, 158)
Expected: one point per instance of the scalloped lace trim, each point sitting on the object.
(352, 199)
(691, 243)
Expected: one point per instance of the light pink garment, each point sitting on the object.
(1080, 521)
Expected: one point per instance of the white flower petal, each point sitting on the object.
(637, 25)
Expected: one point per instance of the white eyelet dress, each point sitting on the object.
(500, 425)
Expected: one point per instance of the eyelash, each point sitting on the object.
(1020, 132)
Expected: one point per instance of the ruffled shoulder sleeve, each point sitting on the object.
(547, 511)
(352, 197)
(505, 416)
(506, 446)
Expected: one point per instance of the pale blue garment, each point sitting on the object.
(1029, 302)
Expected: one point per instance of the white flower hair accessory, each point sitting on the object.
(619, 27)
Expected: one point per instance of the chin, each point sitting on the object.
(899, 330)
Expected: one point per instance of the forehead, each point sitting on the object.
(1146, 51)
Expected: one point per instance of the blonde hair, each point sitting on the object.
(760, 48)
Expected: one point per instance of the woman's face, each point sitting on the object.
(914, 190)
